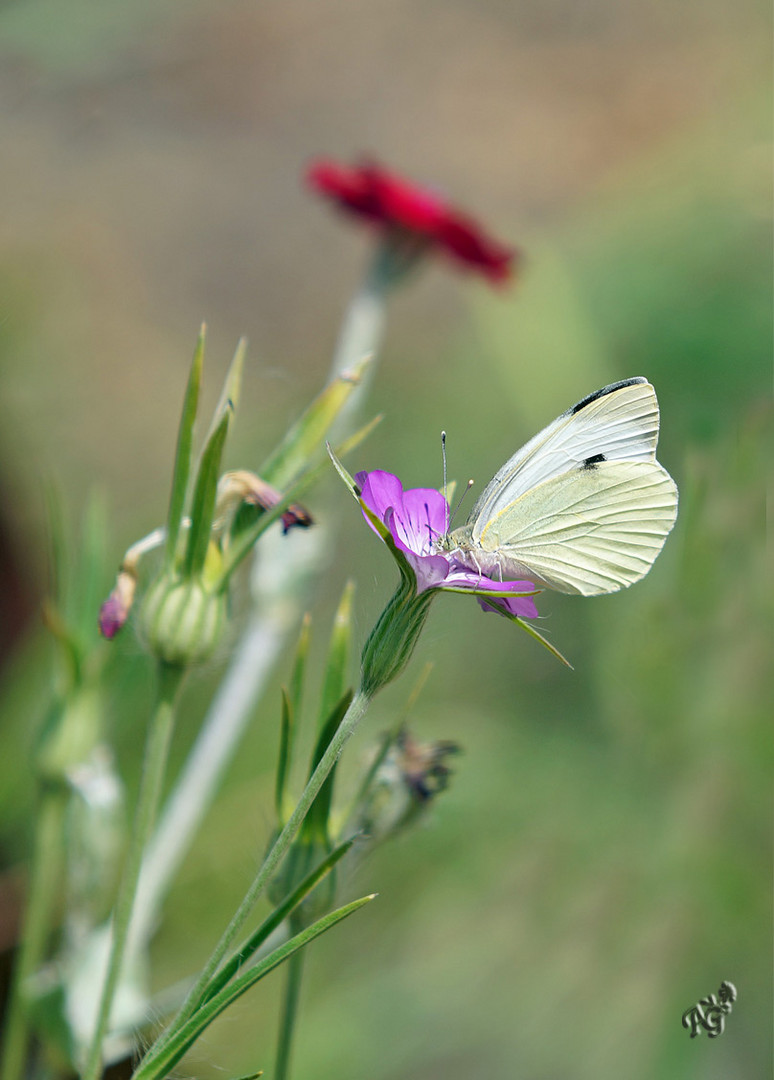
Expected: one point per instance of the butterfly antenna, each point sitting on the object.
(443, 456)
(468, 486)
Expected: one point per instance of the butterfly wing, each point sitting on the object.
(591, 530)
(617, 423)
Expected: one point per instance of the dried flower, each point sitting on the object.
(410, 774)
(240, 487)
(412, 216)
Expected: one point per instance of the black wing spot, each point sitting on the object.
(603, 393)
(593, 461)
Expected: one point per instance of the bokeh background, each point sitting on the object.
(603, 857)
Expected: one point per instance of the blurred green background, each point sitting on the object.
(603, 858)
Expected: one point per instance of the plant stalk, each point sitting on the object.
(44, 890)
(154, 765)
(289, 1012)
(350, 721)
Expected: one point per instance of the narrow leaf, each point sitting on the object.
(299, 665)
(533, 633)
(306, 436)
(348, 480)
(203, 506)
(504, 594)
(91, 569)
(173, 1050)
(276, 919)
(543, 641)
(229, 396)
(283, 756)
(183, 454)
(315, 826)
(243, 544)
(339, 650)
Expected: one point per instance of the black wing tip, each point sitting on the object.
(593, 461)
(611, 388)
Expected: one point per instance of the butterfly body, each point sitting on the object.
(583, 507)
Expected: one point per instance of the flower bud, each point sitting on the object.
(408, 779)
(115, 610)
(391, 642)
(70, 733)
(243, 487)
(182, 621)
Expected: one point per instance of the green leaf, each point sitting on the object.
(273, 921)
(291, 711)
(543, 641)
(229, 396)
(299, 665)
(348, 480)
(203, 506)
(183, 455)
(244, 543)
(91, 571)
(159, 1065)
(306, 436)
(287, 725)
(315, 826)
(534, 633)
(339, 650)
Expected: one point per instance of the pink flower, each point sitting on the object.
(406, 210)
(417, 520)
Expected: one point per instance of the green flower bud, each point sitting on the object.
(70, 733)
(391, 642)
(182, 621)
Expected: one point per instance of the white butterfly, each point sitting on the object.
(584, 507)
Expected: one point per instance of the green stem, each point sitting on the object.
(156, 751)
(196, 995)
(45, 888)
(289, 1013)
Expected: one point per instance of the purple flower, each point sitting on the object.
(417, 520)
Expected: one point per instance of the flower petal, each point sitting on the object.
(400, 206)
(522, 606)
(379, 491)
(424, 518)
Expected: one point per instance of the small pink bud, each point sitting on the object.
(115, 610)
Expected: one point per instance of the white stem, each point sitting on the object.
(361, 335)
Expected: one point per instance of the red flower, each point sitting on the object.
(398, 206)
